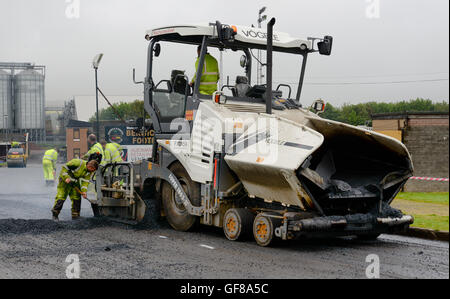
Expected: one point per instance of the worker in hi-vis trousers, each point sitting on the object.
(73, 182)
(49, 166)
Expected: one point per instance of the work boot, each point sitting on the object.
(75, 215)
(57, 209)
(76, 208)
(55, 215)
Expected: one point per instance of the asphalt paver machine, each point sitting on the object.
(249, 158)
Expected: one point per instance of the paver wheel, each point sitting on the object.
(177, 215)
(237, 224)
(264, 229)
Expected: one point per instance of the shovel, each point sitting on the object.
(94, 206)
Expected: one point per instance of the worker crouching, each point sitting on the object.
(73, 182)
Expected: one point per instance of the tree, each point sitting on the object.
(127, 111)
(354, 114)
(360, 114)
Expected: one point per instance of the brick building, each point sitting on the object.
(76, 138)
(78, 131)
(426, 137)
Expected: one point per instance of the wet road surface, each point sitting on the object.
(33, 246)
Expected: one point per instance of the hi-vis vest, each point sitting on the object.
(210, 75)
(113, 153)
(96, 148)
(76, 169)
(50, 155)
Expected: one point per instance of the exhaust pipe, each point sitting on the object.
(269, 65)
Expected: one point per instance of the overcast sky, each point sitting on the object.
(401, 40)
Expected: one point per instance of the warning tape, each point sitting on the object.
(429, 179)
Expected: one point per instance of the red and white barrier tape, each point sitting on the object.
(429, 179)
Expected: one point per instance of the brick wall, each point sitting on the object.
(397, 134)
(73, 144)
(419, 122)
(387, 124)
(429, 148)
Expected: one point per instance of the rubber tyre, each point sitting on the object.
(264, 229)
(176, 214)
(369, 237)
(237, 224)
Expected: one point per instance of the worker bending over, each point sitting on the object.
(49, 166)
(73, 182)
(95, 148)
(210, 74)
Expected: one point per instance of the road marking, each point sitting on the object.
(206, 246)
(163, 237)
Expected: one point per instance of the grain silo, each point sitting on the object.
(29, 94)
(6, 101)
(24, 85)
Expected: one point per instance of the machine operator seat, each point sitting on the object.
(242, 86)
(178, 81)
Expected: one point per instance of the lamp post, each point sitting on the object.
(5, 120)
(261, 18)
(95, 64)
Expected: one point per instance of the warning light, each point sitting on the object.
(219, 98)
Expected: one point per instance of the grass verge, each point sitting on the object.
(431, 197)
(431, 222)
(421, 203)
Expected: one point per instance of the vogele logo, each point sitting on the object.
(257, 34)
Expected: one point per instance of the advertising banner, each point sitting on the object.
(136, 144)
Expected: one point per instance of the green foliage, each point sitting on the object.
(431, 222)
(354, 114)
(127, 111)
(421, 219)
(360, 114)
(425, 197)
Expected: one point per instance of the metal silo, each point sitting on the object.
(30, 100)
(6, 101)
